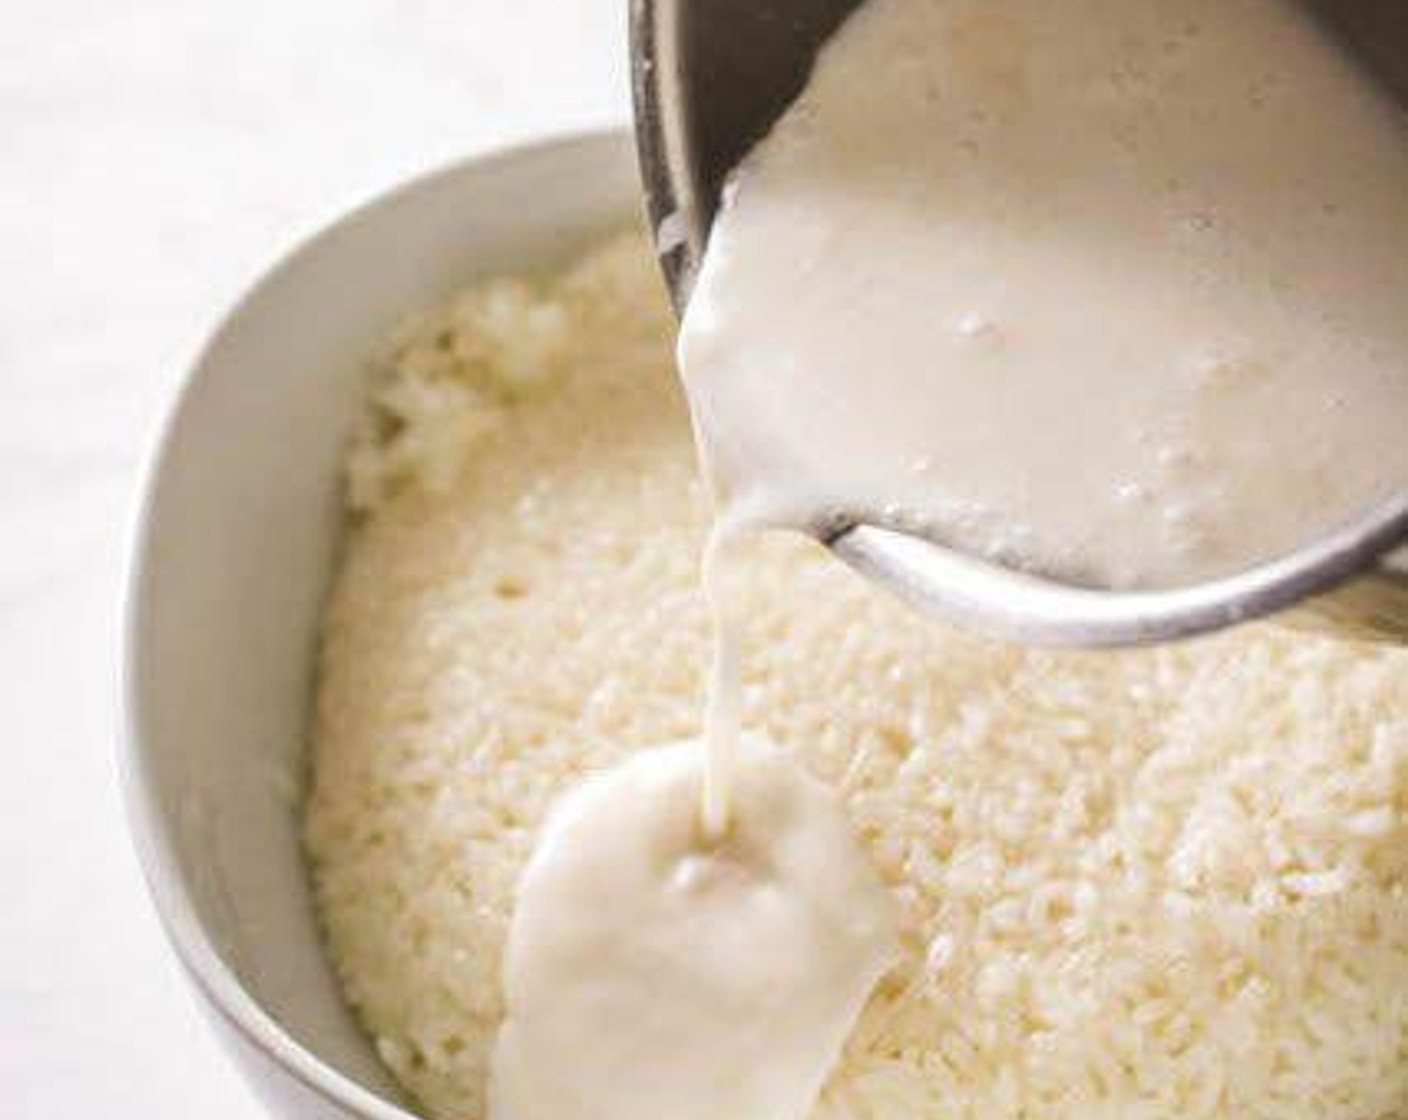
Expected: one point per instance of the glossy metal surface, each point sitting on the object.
(711, 76)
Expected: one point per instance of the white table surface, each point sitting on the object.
(154, 154)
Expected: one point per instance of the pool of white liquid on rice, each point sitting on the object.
(1163, 884)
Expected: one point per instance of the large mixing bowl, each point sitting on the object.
(232, 554)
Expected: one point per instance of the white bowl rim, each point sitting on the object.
(222, 990)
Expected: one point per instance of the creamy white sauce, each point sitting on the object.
(1117, 289)
(654, 973)
(1113, 289)
(696, 932)
(723, 700)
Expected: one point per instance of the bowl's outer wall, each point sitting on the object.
(278, 1089)
(231, 565)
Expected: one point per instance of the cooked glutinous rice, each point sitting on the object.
(1163, 884)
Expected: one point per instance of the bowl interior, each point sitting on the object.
(235, 548)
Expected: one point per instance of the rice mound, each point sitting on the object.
(1163, 884)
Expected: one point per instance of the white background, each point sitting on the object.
(154, 155)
